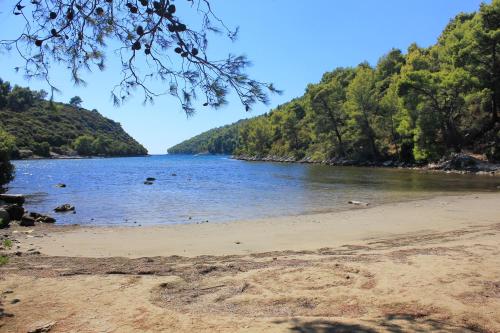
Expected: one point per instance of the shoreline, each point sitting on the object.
(477, 167)
(76, 157)
(422, 266)
(296, 232)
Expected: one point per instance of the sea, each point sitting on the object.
(213, 189)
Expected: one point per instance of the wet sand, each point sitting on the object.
(429, 265)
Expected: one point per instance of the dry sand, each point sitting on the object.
(430, 265)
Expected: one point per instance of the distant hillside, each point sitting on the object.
(43, 129)
(221, 140)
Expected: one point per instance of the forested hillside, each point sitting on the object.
(220, 140)
(42, 128)
(414, 106)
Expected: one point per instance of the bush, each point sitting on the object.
(6, 148)
(41, 149)
(20, 98)
(83, 145)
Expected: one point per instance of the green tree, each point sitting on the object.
(437, 92)
(327, 103)
(101, 146)
(41, 149)
(19, 99)
(76, 101)
(4, 93)
(83, 145)
(362, 108)
(6, 148)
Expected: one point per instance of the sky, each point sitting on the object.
(290, 43)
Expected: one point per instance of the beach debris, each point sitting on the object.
(27, 221)
(358, 203)
(12, 198)
(42, 328)
(150, 179)
(15, 300)
(61, 185)
(237, 242)
(64, 208)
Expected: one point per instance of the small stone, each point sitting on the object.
(15, 300)
(358, 203)
(64, 208)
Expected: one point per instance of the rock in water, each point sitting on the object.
(12, 198)
(64, 208)
(148, 182)
(150, 179)
(61, 185)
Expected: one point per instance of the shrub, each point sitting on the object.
(83, 145)
(6, 148)
(41, 149)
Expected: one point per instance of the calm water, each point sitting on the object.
(216, 188)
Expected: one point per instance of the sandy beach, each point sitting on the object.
(428, 265)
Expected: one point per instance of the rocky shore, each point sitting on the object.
(12, 211)
(456, 163)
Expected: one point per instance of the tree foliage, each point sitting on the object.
(412, 107)
(44, 127)
(76, 101)
(152, 38)
(6, 148)
(221, 140)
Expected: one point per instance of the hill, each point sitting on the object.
(412, 107)
(43, 128)
(221, 140)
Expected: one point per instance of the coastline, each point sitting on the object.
(73, 157)
(298, 232)
(427, 265)
(458, 164)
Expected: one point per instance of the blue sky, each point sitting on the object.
(290, 43)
